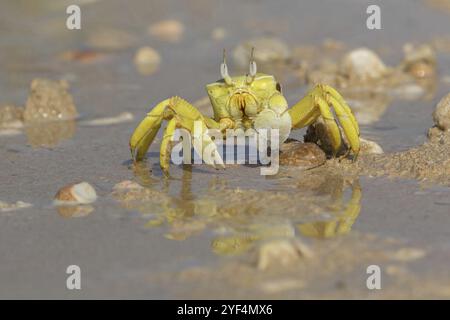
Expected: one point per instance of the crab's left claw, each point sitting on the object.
(317, 103)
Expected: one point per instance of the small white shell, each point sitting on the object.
(80, 193)
(370, 147)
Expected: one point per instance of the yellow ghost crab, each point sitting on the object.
(252, 101)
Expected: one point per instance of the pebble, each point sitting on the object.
(167, 30)
(5, 207)
(420, 53)
(79, 193)
(11, 117)
(281, 253)
(82, 56)
(299, 154)
(218, 34)
(363, 64)
(370, 147)
(421, 70)
(48, 101)
(441, 114)
(147, 60)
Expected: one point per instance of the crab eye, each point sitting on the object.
(278, 87)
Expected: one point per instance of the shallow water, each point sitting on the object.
(139, 250)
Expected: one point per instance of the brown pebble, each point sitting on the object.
(299, 154)
(441, 114)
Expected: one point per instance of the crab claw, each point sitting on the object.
(269, 119)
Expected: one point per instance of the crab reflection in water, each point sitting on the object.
(241, 217)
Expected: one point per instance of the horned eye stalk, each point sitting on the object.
(224, 70)
(252, 69)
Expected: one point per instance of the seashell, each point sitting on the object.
(370, 147)
(79, 193)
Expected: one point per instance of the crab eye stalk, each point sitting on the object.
(252, 69)
(224, 70)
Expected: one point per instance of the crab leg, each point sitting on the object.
(351, 211)
(341, 225)
(330, 123)
(180, 114)
(318, 103)
(345, 119)
(303, 113)
(166, 146)
(145, 132)
(336, 95)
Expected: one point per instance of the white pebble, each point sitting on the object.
(363, 64)
(281, 253)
